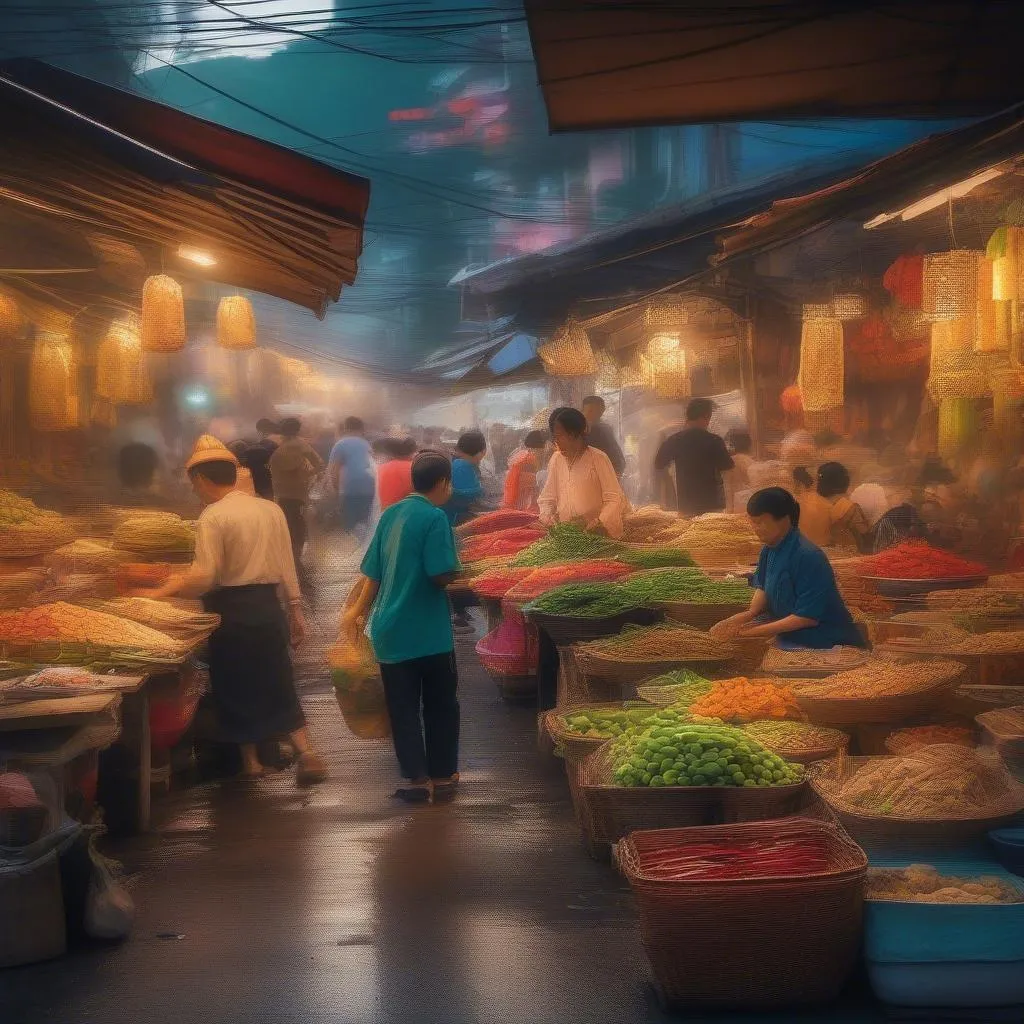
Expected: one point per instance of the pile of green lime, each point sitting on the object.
(611, 723)
(685, 754)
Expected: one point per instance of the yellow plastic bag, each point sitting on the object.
(359, 689)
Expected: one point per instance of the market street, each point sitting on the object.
(337, 904)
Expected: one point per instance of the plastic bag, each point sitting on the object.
(358, 688)
(109, 909)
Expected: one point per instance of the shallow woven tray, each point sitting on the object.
(702, 616)
(751, 944)
(808, 755)
(882, 830)
(636, 671)
(619, 810)
(886, 709)
(914, 588)
(568, 629)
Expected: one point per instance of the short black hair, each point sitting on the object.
(833, 479)
(265, 426)
(802, 477)
(218, 471)
(535, 439)
(290, 426)
(572, 420)
(471, 443)
(776, 502)
(429, 469)
(353, 425)
(136, 464)
(594, 400)
(406, 448)
(740, 441)
(699, 409)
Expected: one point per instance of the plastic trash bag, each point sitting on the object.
(109, 909)
(358, 688)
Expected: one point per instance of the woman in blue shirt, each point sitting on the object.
(796, 600)
(467, 489)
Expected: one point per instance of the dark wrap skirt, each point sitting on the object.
(251, 666)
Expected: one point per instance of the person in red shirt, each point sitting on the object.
(521, 479)
(394, 478)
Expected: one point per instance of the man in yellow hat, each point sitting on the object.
(243, 569)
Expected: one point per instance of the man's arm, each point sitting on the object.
(612, 498)
(359, 602)
(547, 501)
(200, 576)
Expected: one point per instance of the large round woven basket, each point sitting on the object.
(568, 629)
(700, 616)
(890, 831)
(752, 944)
(636, 671)
(917, 588)
(619, 810)
(896, 707)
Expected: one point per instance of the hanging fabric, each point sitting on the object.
(904, 280)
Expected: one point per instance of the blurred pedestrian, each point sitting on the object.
(350, 472)
(600, 435)
(293, 467)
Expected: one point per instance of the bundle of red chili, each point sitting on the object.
(503, 542)
(737, 859)
(496, 583)
(491, 522)
(540, 581)
(918, 560)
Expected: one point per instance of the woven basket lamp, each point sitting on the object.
(11, 320)
(992, 329)
(821, 360)
(665, 316)
(950, 286)
(1005, 250)
(668, 367)
(569, 353)
(163, 315)
(122, 376)
(957, 424)
(53, 384)
(608, 375)
(850, 306)
(236, 324)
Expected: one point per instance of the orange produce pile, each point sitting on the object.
(747, 700)
(70, 623)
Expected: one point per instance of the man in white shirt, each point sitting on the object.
(243, 568)
(581, 485)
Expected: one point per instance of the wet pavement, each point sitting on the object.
(269, 904)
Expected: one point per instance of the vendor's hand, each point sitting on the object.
(296, 625)
(594, 526)
(725, 629)
(351, 625)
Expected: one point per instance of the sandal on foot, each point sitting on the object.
(415, 793)
(311, 770)
(444, 789)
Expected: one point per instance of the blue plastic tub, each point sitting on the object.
(942, 985)
(1008, 847)
(897, 932)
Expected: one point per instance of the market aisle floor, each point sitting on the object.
(272, 905)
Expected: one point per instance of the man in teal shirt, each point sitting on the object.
(409, 563)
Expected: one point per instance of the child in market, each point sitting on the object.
(410, 561)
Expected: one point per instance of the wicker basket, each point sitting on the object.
(700, 616)
(567, 629)
(886, 709)
(619, 810)
(753, 944)
(636, 671)
(891, 832)
(808, 755)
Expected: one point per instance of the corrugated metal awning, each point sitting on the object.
(607, 64)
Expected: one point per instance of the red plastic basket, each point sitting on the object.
(511, 649)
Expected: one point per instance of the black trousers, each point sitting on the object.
(427, 744)
(548, 664)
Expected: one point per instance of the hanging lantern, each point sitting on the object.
(122, 376)
(850, 306)
(904, 280)
(957, 425)
(11, 320)
(236, 324)
(569, 353)
(992, 318)
(163, 315)
(53, 384)
(669, 373)
(790, 400)
(821, 361)
(950, 287)
(631, 373)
